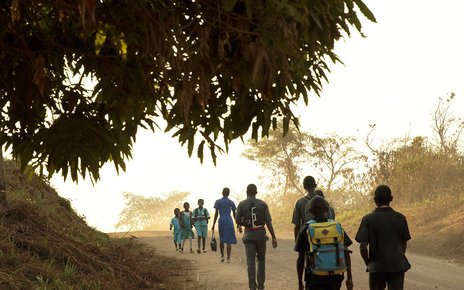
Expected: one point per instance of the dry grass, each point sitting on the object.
(44, 244)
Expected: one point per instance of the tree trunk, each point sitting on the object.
(2, 181)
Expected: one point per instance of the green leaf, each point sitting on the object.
(365, 10)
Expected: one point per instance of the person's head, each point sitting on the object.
(201, 202)
(309, 183)
(251, 189)
(176, 211)
(319, 192)
(225, 192)
(318, 206)
(186, 206)
(383, 195)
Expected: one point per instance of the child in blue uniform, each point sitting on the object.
(200, 218)
(175, 224)
(185, 221)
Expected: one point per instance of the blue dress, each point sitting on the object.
(225, 223)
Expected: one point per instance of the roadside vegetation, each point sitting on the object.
(426, 175)
(45, 245)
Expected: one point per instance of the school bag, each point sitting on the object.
(326, 254)
(250, 217)
(197, 213)
(213, 244)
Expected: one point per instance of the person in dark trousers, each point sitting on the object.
(224, 207)
(254, 215)
(383, 236)
(319, 208)
(299, 219)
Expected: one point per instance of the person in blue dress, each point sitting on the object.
(223, 208)
(176, 226)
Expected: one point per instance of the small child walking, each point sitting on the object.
(200, 218)
(176, 226)
(185, 222)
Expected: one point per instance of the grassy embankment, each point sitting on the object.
(44, 244)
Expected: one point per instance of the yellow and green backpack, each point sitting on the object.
(326, 254)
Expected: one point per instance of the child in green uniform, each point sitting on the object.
(200, 218)
(175, 224)
(185, 221)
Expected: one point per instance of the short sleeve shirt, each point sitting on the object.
(263, 216)
(224, 206)
(175, 224)
(298, 218)
(203, 212)
(384, 231)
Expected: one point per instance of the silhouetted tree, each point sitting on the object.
(78, 78)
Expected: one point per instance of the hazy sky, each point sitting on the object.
(392, 78)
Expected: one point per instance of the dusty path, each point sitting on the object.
(210, 273)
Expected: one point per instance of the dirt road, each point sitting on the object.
(210, 273)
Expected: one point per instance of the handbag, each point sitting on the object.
(213, 243)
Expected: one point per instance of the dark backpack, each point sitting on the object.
(250, 217)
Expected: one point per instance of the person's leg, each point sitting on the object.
(395, 280)
(229, 250)
(221, 246)
(377, 281)
(300, 261)
(203, 239)
(190, 242)
(250, 250)
(261, 257)
(199, 243)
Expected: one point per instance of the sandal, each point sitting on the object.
(222, 259)
(198, 251)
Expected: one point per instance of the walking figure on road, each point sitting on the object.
(224, 207)
(383, 236)
(254, 215)
(185, 221)
(325, 244)
(200, 218)
(176, 226)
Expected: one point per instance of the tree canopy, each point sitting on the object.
(78, 78)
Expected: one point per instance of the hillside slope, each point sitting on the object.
(44, 244)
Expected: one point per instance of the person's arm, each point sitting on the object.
(207, 215)
(170, 226)
(296, 229)
(238, 219)
(296, 220)
(214, 219)
(268, 219)
(349, 278)
(364, 252)
(181, 220)
(271, 231)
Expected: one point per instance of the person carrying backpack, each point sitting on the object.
(254, 215)
(200, 217)
(324, 243)
(299, 218)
